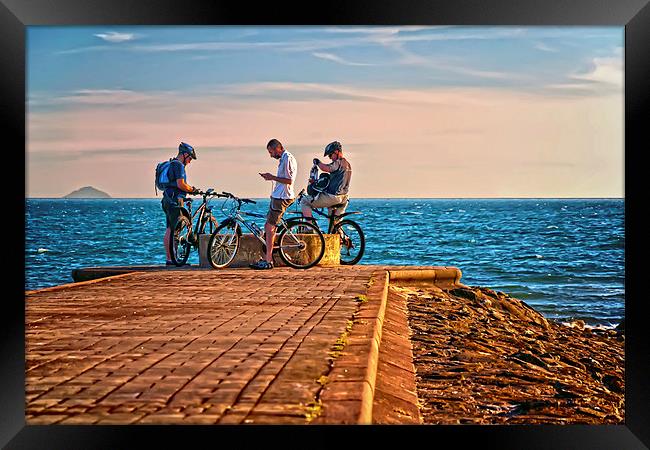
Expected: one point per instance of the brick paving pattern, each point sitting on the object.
(395, 398)
(195, 347)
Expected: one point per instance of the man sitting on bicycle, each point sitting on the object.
(177, 189)
(336, 191)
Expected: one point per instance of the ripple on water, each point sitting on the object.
(555, 260)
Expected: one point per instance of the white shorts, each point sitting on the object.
(325, 200)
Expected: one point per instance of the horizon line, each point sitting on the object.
(360, 198)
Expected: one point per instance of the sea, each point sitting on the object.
(563, 257)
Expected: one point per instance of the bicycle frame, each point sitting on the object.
(282, 225)
(237, 217)
(202, 212)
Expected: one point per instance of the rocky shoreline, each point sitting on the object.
(483, 357)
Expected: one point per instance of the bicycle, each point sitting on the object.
(353, 241)
(183, 238)
(295, 240)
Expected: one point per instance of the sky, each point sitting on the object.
(434, 112)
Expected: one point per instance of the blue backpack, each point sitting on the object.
(162, 175)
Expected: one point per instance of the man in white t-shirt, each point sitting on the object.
(281, 197)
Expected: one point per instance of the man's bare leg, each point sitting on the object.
(269, 234)
(306, 211)
(168, 235)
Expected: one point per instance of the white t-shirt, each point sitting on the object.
(287, 168)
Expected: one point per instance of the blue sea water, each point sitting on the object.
(564, 257)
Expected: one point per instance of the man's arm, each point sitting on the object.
(177, 171)
(183, 186)
(327, 167)
(324, 167)
(269, 177)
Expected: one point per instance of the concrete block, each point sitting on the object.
(250, 250)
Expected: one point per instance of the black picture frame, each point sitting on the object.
(16, 15)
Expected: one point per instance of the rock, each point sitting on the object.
(562, 391)
(621, 326)
(464, 293)
(614, 383)
(529, 358)
(483, 357)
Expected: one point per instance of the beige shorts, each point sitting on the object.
(325, 200)
(277, 207)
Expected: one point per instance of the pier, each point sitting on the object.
(155, 345)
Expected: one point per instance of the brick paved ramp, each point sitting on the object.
(228, 347)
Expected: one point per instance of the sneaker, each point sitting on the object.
(169, 263)
(261, 264)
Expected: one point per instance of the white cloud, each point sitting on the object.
(304, 90)
(410, 58)
(385, 36)
(545, 48)
(114, 37)
(382, 30)
(72, 51)
(338, 59)
(603, 76)
(604, 70)
(107, 96)
(570, 86)
(466, 35)
(93, 97)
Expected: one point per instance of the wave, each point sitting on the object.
(494, 242)
(591, 323)
(612, 246)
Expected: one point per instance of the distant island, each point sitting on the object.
(87, 192)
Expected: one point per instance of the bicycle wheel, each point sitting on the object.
(353, 242)
(179, 243)
(223, 245)
(301, 245)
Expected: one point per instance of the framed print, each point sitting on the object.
(497, 140)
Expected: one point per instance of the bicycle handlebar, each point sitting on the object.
(208, 194)
(240, 200)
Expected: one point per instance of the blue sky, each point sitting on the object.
(152, 57)
(79, 77)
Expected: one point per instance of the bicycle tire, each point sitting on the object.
(223, 255)
(361, 241)
(301, 258)
(178, 238)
